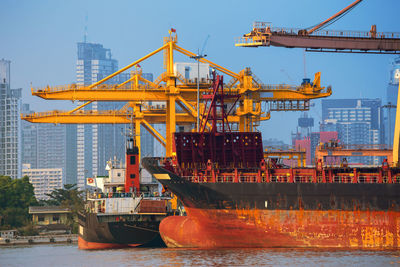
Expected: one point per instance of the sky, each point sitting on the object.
(40, 37)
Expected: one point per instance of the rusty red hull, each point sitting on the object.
(83, 244)
(212, 228)
(285, 212)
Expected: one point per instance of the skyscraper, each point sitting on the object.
(98, 143)
(46, 146)
(28, 140)
(357, 121)
(94, 63)
(10, 101)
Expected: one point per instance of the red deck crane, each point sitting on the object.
(318, 40)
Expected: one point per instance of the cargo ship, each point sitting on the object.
(234, 197)
(123, 211)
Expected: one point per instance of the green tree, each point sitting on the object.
(16, 195)
(68, 197)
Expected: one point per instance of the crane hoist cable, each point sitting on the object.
(336, 19)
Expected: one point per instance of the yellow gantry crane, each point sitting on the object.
(172, 88)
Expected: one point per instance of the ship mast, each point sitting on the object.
(215, 111)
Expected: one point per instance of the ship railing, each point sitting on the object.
(336, 179)
(279, 179)
(396, 179)
(225, 179)
(205, 179)
(296, 179)
(303, 179)
(248, 179)
(369, 179)
(112, 195)
(342, 179)
(283, 179)
(198, 179)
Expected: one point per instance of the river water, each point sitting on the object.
(70, 255)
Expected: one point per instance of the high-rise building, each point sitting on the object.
(94, 63)
(357, 121)
(43, 180)
(305, 138)
(70, 170)
(10, 101)
(29, 133)
(391, 101)
(47, 146)
(98, 143)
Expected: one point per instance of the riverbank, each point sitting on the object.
(39, 240)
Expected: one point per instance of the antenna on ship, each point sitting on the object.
(130, 135)
(215, 112)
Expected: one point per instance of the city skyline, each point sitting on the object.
(351, 76)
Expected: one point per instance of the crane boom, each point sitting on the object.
(315, 40)
(334, 16)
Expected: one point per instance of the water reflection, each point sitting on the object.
(70, 255)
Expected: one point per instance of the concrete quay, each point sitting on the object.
(39, 239)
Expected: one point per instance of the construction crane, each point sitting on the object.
(317, 39)
(172, 88)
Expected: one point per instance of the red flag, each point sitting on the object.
(173, 30)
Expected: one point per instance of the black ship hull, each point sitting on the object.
(118, 231)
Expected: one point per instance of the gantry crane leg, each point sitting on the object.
(396, 136)
(172, 94)
(137, 136)
(170, 124)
